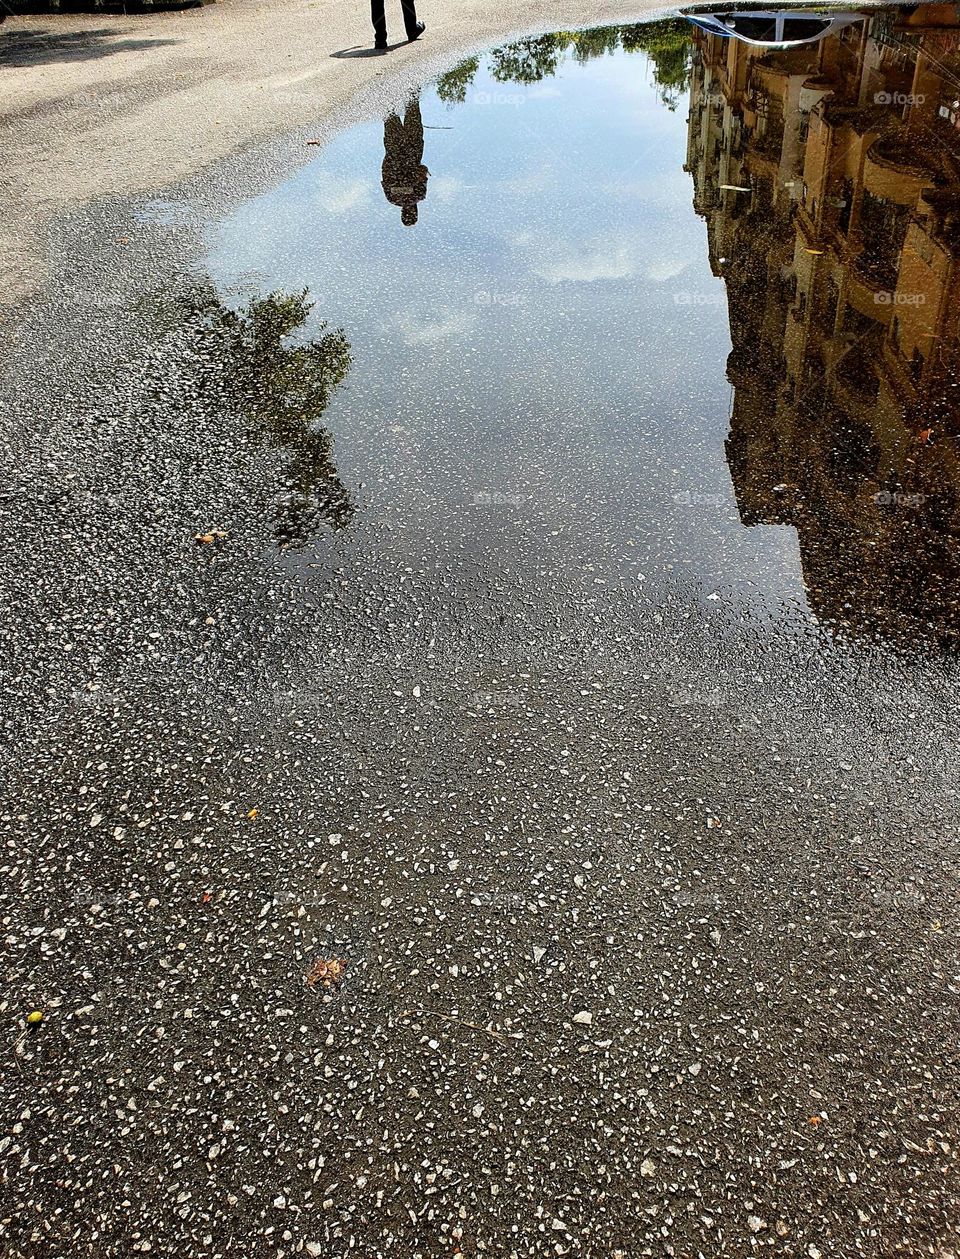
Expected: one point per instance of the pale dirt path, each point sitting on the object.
(98, 104)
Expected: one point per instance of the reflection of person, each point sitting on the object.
(414, 28)
(404, 174)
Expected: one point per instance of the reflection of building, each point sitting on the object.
(829, 178)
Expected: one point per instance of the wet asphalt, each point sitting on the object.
(641, 890)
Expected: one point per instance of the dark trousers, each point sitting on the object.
(380, 19)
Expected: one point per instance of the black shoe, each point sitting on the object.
(380, 45)
(417, 31)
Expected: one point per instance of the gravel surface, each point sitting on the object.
(638, 891)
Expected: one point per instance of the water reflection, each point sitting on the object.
(246, 360)
(404, 176)
(558, 278)
(829, 178)
(666, 42)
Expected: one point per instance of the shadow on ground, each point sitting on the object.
(24, 48)
(367, 50)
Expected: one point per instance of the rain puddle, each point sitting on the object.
(648, 304)
(481, 609)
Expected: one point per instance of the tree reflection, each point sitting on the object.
(666, 42)
(282, 387)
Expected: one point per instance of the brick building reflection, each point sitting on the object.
(829, 179)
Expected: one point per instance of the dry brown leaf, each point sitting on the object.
(328, 972)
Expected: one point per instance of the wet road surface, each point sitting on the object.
(481, 743)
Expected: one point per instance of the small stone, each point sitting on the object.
(647, 1167)
(755, 1224)
(583, 1017)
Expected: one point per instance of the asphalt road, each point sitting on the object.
(642, 903)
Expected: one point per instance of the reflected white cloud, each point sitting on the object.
(419, 329)
(537, 179)
(338, 195)
(445, 187)
(582, 263)
(666, 269)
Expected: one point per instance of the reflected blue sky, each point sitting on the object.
(539, 361)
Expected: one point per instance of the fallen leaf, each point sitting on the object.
(215, 535)
(327, 972)
(252, 814)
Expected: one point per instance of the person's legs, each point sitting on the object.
(410, 18)
(379, 19)
(413, 132)
(393, 138)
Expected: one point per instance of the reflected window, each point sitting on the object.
(754, 27)
(803, 28)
